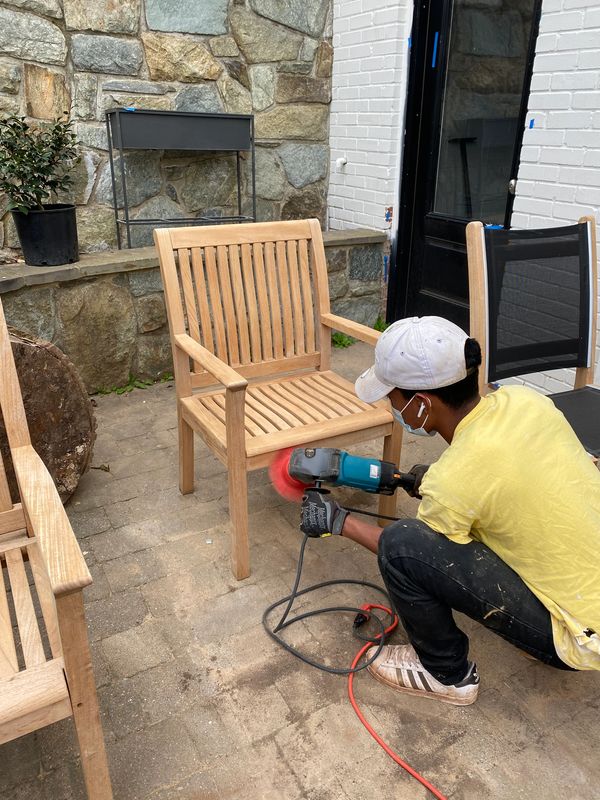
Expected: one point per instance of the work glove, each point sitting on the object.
(418, 471)
(321, 515)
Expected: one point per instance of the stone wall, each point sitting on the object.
(107, 312)
(265, 57)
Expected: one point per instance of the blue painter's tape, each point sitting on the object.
(409, 42)
(435, 48)
(495, 227)
(531, 123)
(129, 108)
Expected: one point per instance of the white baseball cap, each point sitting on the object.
(415, 353)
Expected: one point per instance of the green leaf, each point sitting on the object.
(35, 160)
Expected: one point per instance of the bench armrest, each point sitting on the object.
(48, 522)
(221, 371)
(351, 328)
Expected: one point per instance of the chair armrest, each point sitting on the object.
(217, 368)
(351, 328)
(49, 523)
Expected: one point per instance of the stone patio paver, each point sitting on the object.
(198, 702)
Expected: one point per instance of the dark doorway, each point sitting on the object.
(470, 70)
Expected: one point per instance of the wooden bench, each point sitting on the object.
(45, 665)
(250, 324)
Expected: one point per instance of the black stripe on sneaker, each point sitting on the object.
(425, 682)
(413, 679)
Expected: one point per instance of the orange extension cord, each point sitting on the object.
(394, 756)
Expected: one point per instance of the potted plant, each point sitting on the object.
(34, 165)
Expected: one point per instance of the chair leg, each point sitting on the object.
(84, 700)
(186, 456)
(392, 445)
(238, 511)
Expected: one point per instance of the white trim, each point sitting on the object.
(487, 310)
(593, 289)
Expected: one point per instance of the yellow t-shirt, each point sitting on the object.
(517, 479)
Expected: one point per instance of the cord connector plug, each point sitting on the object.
(362, 617)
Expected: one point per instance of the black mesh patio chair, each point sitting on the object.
(533, 308)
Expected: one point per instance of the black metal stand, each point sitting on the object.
(132, 129)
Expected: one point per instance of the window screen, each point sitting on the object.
(538, 299)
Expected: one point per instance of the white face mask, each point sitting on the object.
(408, 428)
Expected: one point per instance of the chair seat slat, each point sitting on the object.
(318, 431)
(332, 401)
(284, 418)
(250, 424)
(312, 400)
(289, 400)
(272, 421)
(337, 387)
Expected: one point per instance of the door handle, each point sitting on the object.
(512, 186)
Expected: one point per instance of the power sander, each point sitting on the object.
(295, 470)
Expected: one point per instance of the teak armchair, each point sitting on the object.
(533, 308)
(45, 665)
(250, 323)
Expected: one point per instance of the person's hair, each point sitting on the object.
(457, 394)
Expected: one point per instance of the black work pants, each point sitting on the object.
(427, 576)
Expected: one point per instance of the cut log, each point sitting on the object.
(61, 419)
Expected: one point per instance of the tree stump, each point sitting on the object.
(59, 413)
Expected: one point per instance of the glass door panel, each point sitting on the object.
(481, 107)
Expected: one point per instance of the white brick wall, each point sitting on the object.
(370, 69)
(559, 174)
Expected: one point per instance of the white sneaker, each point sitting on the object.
(398, 666)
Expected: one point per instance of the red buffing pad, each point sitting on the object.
(284, 484)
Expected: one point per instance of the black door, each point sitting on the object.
(470, 70)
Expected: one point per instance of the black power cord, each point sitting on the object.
(360, 616)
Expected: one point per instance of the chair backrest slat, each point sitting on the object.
(202, 295)
(296, 298)
(252, 304)
(227, 300)
(286, 302)
(309, 320)
(11, 407)
(8, 654)
(274, 299)
(29, 632)
(249, 293)
(216, 307)
(189, 295)
(260, 277)
(239, 300)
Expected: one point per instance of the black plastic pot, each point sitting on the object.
(48, 237)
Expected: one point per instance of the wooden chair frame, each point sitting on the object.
(238, 344)
(476, 256)
(36, 532)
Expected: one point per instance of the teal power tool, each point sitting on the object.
(313, 466)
